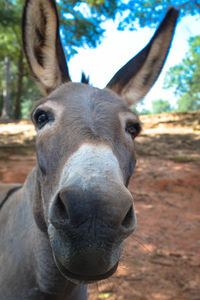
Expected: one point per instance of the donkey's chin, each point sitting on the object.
(83, 278)
(84, 260)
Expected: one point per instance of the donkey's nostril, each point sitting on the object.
(59, 213)
(129, 218)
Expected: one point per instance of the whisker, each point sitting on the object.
(141, 243)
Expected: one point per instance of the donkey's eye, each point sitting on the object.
(42, 118)
(133, 129)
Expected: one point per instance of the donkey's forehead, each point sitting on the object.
(83, 95)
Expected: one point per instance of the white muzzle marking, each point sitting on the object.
(91, 165)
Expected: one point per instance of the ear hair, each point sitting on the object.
(42, 44)
(84, 78)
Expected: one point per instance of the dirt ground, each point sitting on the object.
(161, 260)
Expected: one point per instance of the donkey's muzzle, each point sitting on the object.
(75, 208)
(87, 230)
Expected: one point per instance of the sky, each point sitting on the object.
(118, 47)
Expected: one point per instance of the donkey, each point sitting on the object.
(66, 226)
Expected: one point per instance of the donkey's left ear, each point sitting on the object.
(42, 44)
(134, 80)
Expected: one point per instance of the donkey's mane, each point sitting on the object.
(84, 78)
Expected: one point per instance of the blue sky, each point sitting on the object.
(118, 47)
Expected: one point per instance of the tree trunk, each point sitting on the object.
(6, 91)
(17, 111)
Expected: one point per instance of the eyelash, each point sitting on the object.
(42, 117)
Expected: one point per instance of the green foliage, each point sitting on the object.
(148, 12)
(184, 78)
(188, 102)
(159, 106)
(145, 111)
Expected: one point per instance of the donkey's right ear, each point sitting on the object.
(42, 44)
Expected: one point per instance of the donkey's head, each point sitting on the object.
(85, 146)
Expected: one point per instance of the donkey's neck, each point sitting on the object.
(27, 253)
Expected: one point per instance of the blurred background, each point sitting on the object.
(162, 259)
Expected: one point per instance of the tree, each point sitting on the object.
(6, 91)
(184, 78)
(159, 106)
(10, 46)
